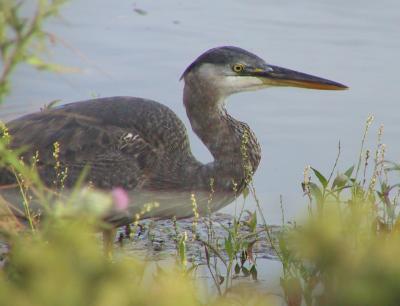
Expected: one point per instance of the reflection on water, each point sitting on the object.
(155, 241)
(122, 52)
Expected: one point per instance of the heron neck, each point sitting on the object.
(233, 145)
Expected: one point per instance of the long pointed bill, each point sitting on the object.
(278, 76)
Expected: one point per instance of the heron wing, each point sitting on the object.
(118, 139)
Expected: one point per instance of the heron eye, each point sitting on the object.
(238, 68)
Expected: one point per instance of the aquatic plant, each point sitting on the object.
(345, 253)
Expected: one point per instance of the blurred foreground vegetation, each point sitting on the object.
(64, 265)
(345, 253)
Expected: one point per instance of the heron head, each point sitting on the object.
(231, 69)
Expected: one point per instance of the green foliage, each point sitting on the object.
(182, 249)
(234, 253)
(346, 251)
(64, 265)
(353, 261)
(23, 39)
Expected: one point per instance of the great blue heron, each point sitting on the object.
(143, 147)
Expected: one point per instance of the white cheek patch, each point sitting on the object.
(241, 83)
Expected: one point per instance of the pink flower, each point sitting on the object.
(120, 198)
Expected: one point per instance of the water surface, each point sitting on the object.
(121, 52)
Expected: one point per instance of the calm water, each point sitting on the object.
(121, 52)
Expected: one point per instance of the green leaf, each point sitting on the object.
(237, 268)
(229, 247)
(42, 65)
(283, 247)
(182, 250)
(243, 257)
(253, 272)
(50, 105)
(349, 171)
(316, 193)
(245, 192)
(252, 222)
(320, 177)
(395, 167)
(340, 181)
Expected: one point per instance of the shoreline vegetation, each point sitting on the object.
(344, 253)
